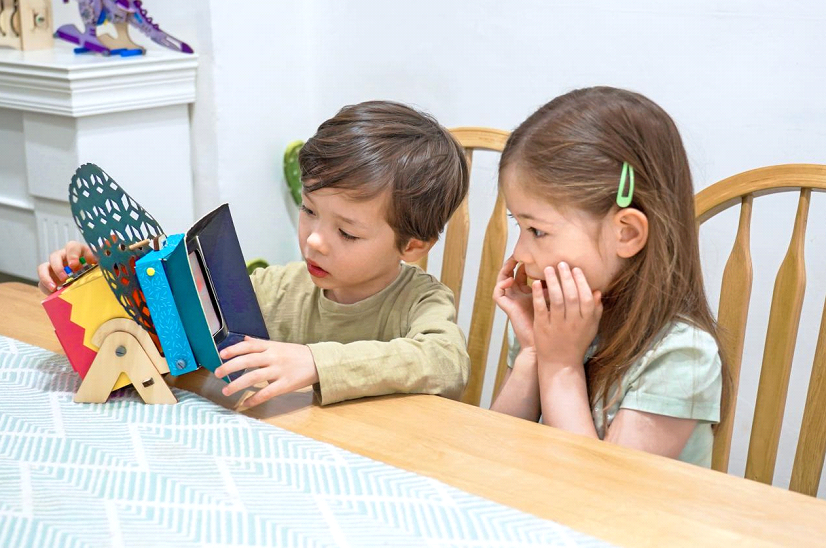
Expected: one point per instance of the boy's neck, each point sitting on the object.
(363, 291)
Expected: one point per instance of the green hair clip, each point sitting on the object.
(623, 198)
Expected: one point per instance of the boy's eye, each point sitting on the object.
(536, 233)
(306, 210)
(346, 236)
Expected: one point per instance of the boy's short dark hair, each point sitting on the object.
(381, 145)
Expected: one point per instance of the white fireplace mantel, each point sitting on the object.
(59, 110)
(58, 81)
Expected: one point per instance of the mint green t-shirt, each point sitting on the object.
(680, 376)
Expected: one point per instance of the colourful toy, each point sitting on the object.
(26, 24)
(122, 14)
(185, 296)
(76, 311)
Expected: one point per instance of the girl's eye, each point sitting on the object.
(306, 210)
(536, 233)
(346, 236)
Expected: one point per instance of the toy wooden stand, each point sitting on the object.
(125, 348)
(121, 40)
(26, 24)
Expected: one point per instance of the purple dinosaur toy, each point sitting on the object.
(119, 12)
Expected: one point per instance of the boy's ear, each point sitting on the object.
(631, 227)
(415, 250)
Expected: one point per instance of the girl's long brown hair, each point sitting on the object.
(571, 151)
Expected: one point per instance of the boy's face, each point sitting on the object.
(349, 247)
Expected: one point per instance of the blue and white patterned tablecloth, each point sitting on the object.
(195, 474)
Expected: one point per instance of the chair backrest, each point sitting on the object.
(493, 255)
(781, 334)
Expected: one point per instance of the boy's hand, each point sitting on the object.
(513, 295)
(50, 274)
(286, 367)
(566, 325)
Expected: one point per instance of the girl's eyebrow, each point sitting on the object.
(529, 217)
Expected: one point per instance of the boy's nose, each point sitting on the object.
(316, 243)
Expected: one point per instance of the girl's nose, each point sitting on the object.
(520, 251)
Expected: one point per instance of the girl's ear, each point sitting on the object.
(415, 250)
(632, 231)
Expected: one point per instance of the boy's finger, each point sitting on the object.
(89, 255)
(244, 381)
(275, 388)
(239, 363)
(56, 263)
(46, 279)
(247, 346)
(73, 252)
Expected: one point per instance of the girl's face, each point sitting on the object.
(548, 236)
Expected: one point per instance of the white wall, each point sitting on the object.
(743, 79)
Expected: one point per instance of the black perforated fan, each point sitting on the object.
(111, 221)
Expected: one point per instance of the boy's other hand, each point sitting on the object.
(50, 274)
(285, 366)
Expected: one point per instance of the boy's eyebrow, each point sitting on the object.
(349, 221)
(341, 218)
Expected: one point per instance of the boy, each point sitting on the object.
(380, 182)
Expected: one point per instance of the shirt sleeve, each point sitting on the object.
(680, 377)
(431, 358)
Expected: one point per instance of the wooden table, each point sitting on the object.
(620, 495)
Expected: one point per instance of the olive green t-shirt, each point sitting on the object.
(679, 376)
(403, 339)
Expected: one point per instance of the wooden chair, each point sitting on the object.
(493, 255)
(784, 319)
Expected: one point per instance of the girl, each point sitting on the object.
(615, 338)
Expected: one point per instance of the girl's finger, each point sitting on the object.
(569, 290)
(556, 299)
(598, 305)
(246, 346)
(506, 283)
(540, 307)
(507, 269)
(522, 280)
(586, 297)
